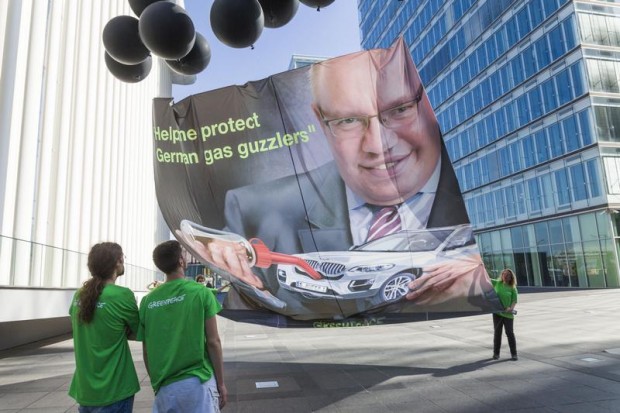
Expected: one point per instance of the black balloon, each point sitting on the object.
(129, 73)
(196, 60)
(237, 23)
(278, 12)
(167, 30)
(317, 3)
(138, 6)
(121, 39)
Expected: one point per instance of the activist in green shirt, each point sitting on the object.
(102, 316)
(181, 344)
(506, 289)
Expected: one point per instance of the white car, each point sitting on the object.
(381, 268)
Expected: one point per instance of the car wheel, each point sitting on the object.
(396, 287)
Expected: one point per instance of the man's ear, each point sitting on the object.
(319, 118)
(317, 113)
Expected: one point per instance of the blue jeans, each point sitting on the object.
(188, 396)
(122, 406)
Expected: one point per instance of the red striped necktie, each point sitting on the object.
(384, 222)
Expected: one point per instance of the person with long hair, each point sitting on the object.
(103, 315)
(506, 289)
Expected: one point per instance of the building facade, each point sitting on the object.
(75, 161)
(527, 94)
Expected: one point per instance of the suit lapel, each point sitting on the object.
(327, 213)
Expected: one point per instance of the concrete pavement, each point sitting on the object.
(569, 362)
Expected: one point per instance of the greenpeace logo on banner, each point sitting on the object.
(168, 301)
(366, 322)
(208, 132)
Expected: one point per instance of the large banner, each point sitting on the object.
(322, 194)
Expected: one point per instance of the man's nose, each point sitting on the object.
(378, 138)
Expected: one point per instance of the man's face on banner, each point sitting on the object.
(379, 123)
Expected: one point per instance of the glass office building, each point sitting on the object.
(527, 93)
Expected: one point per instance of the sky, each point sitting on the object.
(330, 32)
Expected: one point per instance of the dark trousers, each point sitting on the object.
(499, 323)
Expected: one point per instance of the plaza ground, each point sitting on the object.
(569, 362)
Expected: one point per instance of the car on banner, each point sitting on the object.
(380, 269)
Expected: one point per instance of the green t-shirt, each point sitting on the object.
(172, 325)
(104, 369)
(507, 296)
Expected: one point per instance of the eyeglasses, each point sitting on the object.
(392, 118)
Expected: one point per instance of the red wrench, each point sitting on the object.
(265, 258)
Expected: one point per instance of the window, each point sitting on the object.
(512, 31)
(504, 74)
(493, 166)
(523, 110)
(613, 27)
(585, 127)
(529, 151)
(549, 97)
(594, 181)
(563, 87)
(480, 209)
(489, 123)
(607, 123)
(535, 103)
(500, 41)
(577, 78)
(557, 45)
(570, 133)
(542, 236)
(562, 187)
(568, 27)
(543, 55)
(542, 147)
(490, 208)
(499, 121)
(578, 181)
(555, 140)
(612, 171)
(510, 201)
(516, 67)
(555, 232)
(529, 61)
(586, 28)
(536, 12)
(515, 155)
(520, 198)
(533, 190)
(609, 77)
(500, 205)
(523, 22)
(594, 75)
(505, 164)
(547, 191)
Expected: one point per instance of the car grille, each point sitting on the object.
(331, 270)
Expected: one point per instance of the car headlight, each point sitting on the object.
(282, 275)
(371, 268)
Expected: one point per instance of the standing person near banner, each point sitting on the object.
(506, 289)
(180, 340)
(103, 315)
